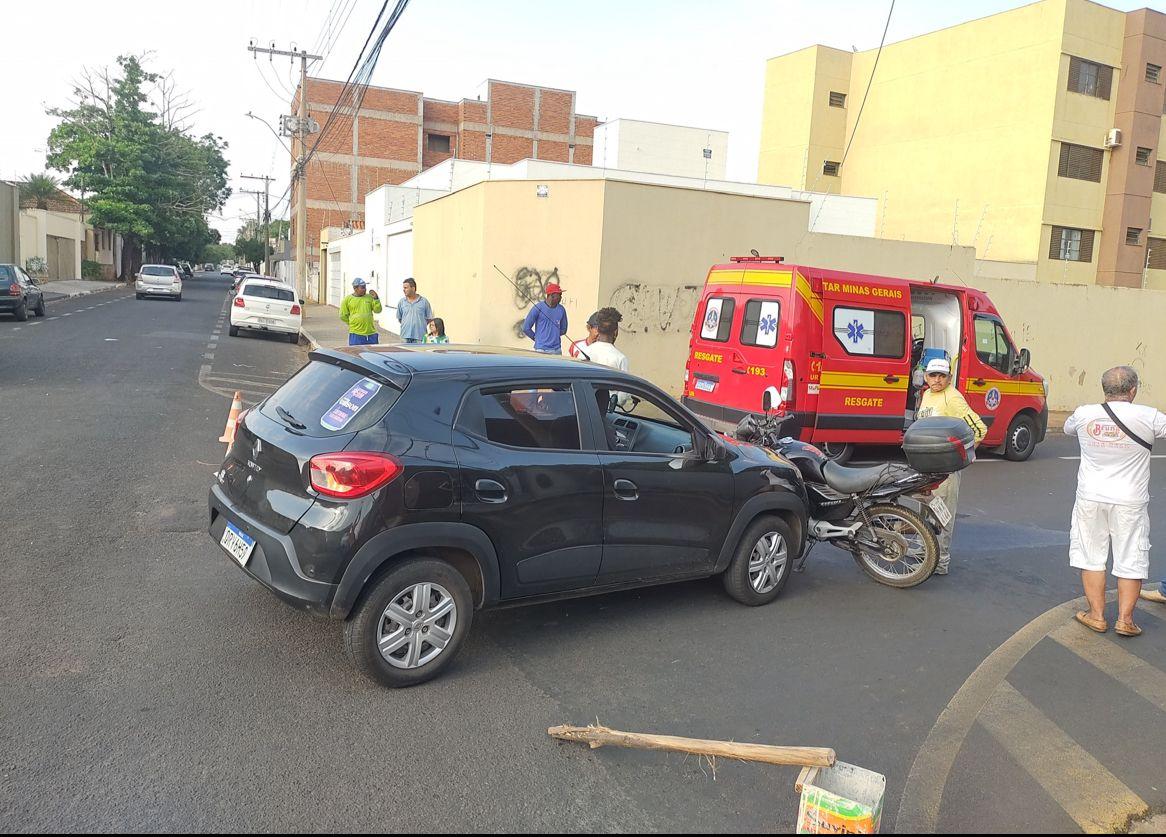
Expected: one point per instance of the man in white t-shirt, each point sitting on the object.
(1113, 497)
(599, 347)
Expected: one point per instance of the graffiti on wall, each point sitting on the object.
(655, 309)
(529, 286)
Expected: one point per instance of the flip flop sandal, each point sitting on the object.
(1097, 625)
(1127, 629)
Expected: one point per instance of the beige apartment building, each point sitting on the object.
(1034, 135)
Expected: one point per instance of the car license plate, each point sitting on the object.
(941, 511)
(705, 386)
(238, 544)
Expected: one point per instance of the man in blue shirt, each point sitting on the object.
(413, 313)
(546, 323)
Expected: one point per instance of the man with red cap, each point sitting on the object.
(546, 323)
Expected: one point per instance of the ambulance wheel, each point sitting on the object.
(1021, 441)
(839, 452)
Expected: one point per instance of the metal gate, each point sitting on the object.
(61, 253)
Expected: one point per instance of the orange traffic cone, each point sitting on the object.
(232, 419)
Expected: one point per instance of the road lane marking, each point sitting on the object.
(1097, 800)
(1109, 657)
(923, 792)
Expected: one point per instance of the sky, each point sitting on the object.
(676, 61)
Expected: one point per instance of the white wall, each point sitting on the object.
(657, 148)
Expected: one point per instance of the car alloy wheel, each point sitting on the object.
(417, 626)
(767, 562)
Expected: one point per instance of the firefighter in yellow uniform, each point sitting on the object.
(941, 398)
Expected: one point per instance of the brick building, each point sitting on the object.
(398, 133)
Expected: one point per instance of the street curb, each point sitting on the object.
(60, 296)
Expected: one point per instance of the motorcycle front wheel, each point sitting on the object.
(898, 549)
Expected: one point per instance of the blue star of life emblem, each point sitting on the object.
(768, 324)
(855, 332)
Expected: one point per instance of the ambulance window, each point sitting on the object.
(866, 331)
(759, 325)
(718, 319)
(992, 345)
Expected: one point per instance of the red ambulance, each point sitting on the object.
(841, 354)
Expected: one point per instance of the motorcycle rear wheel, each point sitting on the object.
(907, 551)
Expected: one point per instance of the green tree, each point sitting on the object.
(217, 253)
(145, 175)
(41, 188)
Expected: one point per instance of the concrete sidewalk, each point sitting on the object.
(65, 288)
(322, 326)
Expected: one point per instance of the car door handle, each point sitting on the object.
(626, 490)
(490, 491)
(891, 379)
(979, 382)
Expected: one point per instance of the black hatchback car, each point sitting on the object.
(401, 488)
(20, 294)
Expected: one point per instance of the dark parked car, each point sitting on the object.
(400, 489)
(20, 293)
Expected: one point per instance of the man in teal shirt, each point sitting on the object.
(357, 310)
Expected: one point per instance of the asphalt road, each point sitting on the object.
(147, 684)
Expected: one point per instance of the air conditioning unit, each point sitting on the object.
(1113, 138)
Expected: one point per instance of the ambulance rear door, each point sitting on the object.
(865, 359)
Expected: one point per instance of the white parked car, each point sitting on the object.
(159, 280)
(266, 304)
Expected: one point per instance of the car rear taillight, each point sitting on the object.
(239, 303)
(14, 289)
(351, 475)
(789, 382)
(295, 309)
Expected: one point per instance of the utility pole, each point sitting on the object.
(266, 217)
(258, 216)
(299, 130)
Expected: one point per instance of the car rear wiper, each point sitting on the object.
(290, 419)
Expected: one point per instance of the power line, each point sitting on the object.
(329, 46)
(854, 129)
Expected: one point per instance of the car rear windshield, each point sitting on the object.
(7, 273)
(157, 270)
(268, 292)
(328, 399)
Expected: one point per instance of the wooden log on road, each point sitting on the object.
(598, 736)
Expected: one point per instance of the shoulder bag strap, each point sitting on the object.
(1147, 445)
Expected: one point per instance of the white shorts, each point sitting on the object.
(1097, 525)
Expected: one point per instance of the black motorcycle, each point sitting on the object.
(876, 513)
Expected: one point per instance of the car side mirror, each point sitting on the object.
(1023, 361)
(302, 302)
(766, 401)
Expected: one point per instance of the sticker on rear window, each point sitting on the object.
(349, 404)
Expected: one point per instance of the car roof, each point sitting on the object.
(424, 358)
(256, 279)
(172, 267)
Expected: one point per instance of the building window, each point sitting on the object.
(1080, 162)
(1090, 78)
(1067, 244)
(1153, 73)
(1156, 257)
(837, 100)
(830, 167)
(1133, 236)
(438, 143)
(1160, 177)
(1143, 156)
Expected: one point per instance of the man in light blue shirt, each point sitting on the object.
(546, 323)
(413, 313)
